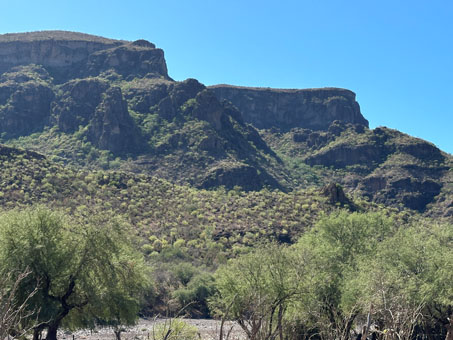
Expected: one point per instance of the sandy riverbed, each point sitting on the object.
(207, 329)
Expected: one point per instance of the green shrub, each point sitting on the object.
(174, 329)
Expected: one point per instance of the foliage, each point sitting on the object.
(333, 248)
(174, 329)
(174, 221)
(407, 280)
(350, 266)
(86, 270)
(194, 296)
(256, 289)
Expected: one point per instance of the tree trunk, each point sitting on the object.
(347, 330)
(37, 331)
(449, 335)
(52, 332)
(37, 334)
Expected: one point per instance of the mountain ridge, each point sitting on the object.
(94, 102)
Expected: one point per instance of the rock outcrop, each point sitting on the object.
(68, 55)
(25, 101)
(112, 127)
(389, 167)
(128, 60)
(284, 109)
(92, 103)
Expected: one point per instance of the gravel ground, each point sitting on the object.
(207, 329)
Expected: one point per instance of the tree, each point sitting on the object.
(256, 289)
(332, 249)
(86, 270)
(408, 281)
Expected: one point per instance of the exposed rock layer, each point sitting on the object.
(68, 55)
(313, 109)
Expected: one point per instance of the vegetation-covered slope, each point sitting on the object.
(383, 165)
(111, 105)
(224, 220)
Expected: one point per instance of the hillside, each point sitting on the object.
(199, 177)
(91, 103)
(214, 224)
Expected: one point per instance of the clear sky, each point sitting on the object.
(396, 55)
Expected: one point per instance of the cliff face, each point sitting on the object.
(117, 96)
(69, 55)
(313, 109)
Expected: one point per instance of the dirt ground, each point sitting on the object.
(207, 330)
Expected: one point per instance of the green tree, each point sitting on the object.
(256, 289)
(408, 281)
(332, 249)
(85, 270)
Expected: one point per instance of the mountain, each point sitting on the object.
(91, 103)
(314, 109)
(117, 96)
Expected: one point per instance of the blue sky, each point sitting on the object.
(396, 55)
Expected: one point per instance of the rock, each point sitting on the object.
(236, 175)
(143, 43)
(313, 109)
(337, 127)
(67, 55)
(422, 150)
(181, 92)
(208, 108)
(112, 127)
(335, 194)
(78, 102)
(10, 152)
(388, 166)
(146, 96)
(343, 155)
(317, 139)
(24, 107)
(129, 61)
(94, 104)
(58, 51)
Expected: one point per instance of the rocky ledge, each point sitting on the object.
(67, 55)
(284, 109)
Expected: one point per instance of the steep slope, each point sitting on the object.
(100, 94)
(384, 165)
(67, 55)
(322, 137)
(285, 109)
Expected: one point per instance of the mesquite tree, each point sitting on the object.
(86, 270)
(256, 289)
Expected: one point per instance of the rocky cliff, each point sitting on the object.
(68, 55)
(284, 109)
(116, 96)
(103, 103)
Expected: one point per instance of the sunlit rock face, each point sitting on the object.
(284, 109)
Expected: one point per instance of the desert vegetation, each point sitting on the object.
(349, 274)
(126, 194)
